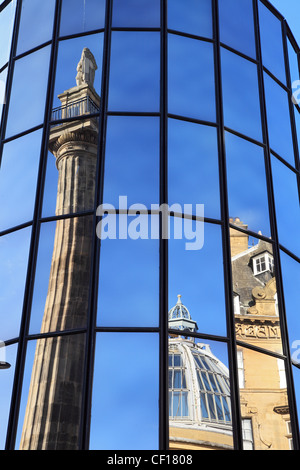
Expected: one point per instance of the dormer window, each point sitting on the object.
(262, 263)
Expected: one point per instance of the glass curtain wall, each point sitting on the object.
(149, 188)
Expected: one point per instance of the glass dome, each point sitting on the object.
(180, 318)
(198, 384)
(199, 391)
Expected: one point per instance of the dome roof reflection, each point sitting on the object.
(199, 391)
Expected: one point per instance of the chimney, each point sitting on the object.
(238, 240)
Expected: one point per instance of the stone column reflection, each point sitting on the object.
(52, 418)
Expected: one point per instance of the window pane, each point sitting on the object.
(3, 77)
(79, 16)
(193, 166)
(132, 160)
(239, 75)
(6, 29)
(191, 273)
(125, 410)
(287, 205)
(50, 416)
(278, 120)
(248, 202)
(28, 92)
(18, 178)
(129, 274)
(135, 56)
(83, 52)
(257, 320)
(237, 34)
(191, 92)
(297, 119)
(71, 168)
(43, 14)
(73, 145)
(139, 13)
(271, 42)
(291, 278)
(7, 354)
(207, 427)
(293, 61)
(296, 376)
(14, 250)
(191, 17)
(61, 291)
(265, 393)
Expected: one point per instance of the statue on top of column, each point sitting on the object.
(86, 68)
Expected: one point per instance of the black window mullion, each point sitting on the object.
(233, 366)
(10, 72)
(163, 243)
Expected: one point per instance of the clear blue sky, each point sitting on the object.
(290, 9)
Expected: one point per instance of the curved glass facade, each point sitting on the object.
(149, 149)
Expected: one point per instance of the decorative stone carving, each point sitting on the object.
(281, 410)
(264, 299)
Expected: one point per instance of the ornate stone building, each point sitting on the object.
(263, 388)
(200, 416)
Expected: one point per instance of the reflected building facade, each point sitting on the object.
(263, 386)
(199, 390)
(157, 113)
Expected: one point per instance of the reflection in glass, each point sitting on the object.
(287, 205)
(199, 391)
(291, 278)
(296, 378)
(129, 273)
(45, 252)
(271, 42)
(237, 34)
(278, 119)
(254, 290)
(73, 145)
(297, 120)
(61, 292)
(193, 166)
(51, 401)
(132, 160)
(135, 56)
(197, 275)
(68, 78)
(14, 250)
(28, 92)
(240, 95)
(191, 17)
(3, 77)
(139, 13)
(43, 14)
(264, 401)
(6, 29)
(293, 62)
(125, 410)
(80, 16)
(20, 163)
(71, 168)
(246, 180)
(191, 92)
(7, 354)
